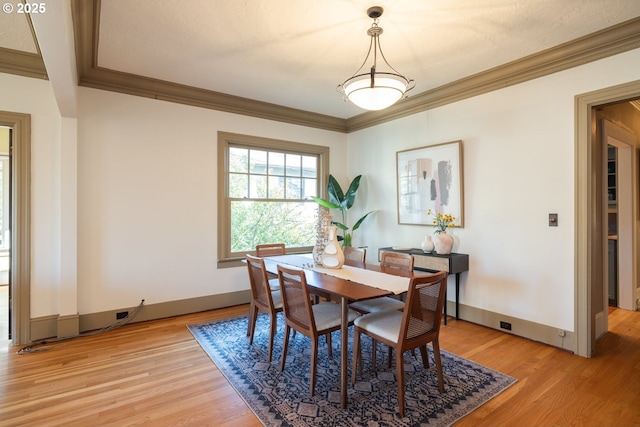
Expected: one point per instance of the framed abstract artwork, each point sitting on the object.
(430, 178)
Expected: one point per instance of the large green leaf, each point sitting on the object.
(335, 192)
(357, 224)
(350, 197)
(325, 203)
(340, 225)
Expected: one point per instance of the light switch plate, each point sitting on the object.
(553, 220)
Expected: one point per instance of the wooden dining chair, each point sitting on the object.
(414, 327)
(263, 299)
(271, 249)
(311, 320)
(390, 262)
(355, 257)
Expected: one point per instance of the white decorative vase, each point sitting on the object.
(332, 256)
(443, 243)
(427, 245)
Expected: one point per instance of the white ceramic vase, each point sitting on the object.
(443, 243)
(427, 245)
(332, 256)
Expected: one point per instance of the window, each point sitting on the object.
(265, 189)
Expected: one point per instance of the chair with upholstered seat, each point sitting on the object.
(414, 327)
(397, 261)
(390, 262)
(271, 249)
(263, 299)
(311, 320)
(355, 257)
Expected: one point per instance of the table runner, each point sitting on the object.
(377, 279)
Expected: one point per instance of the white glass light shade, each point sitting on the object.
(387, 90)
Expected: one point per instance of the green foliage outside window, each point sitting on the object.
(253, 223)
(270, 192)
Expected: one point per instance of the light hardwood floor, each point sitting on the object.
(155, 374)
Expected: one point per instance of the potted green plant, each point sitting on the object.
(343, 202)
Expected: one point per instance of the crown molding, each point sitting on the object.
(86, 21)
(602, 44)
(86, 17)
(22, 63)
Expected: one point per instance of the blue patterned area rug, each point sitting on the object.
(283, 398)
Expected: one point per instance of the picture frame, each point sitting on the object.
(430, 177)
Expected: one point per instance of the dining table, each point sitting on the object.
(346, 284)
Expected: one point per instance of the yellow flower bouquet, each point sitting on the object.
(442, 221)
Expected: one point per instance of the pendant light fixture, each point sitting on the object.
(375, 89)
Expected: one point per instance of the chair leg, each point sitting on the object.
(356, 356)
(272, 334)
(436, 356)
(424, 353)
(329, 346)
(374, 344)
(314, 363)
(285, 347)
(251, 327)
(413, 351)
(400, 380)
(249, 318)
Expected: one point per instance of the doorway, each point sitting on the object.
(591, 220)
(615, 123)
(5, 240)
(623, 142)
(19, 240)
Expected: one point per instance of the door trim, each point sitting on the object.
(20, 224)
(587, 231)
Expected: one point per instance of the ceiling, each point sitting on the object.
(293, 53)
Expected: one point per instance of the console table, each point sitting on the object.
(453, 263)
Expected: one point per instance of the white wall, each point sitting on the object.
(35, 97)
(147, 197)
(518, 146)
(147, 191)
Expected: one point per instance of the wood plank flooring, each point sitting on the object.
(155, 374)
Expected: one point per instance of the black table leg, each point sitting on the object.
(457, 296)
(445, 305)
